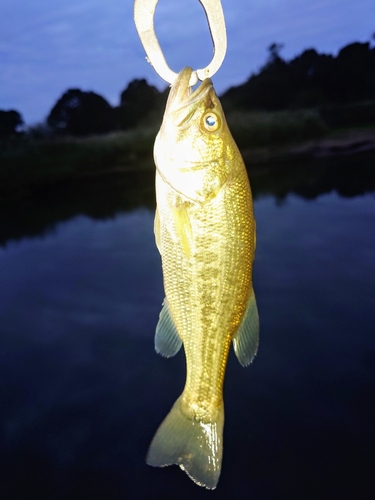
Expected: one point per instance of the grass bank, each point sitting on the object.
(260, 129)
(27, 164)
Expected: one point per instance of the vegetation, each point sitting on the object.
(140, 103)
(10, 123)
(27, 164)
(284, 103)
(81, 113)
(309, 80)
(254, 129)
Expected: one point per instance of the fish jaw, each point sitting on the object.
(191, 159)
(182, 100)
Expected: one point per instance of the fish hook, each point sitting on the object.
(144, 11)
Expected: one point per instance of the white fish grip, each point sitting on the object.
(144, 11)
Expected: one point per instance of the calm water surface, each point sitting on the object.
(82, 390)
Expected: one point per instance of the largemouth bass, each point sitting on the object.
(205, 233)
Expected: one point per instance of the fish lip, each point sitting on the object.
(181, 94)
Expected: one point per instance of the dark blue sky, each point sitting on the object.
(48, 46)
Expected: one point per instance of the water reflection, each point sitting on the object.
(98, 197)
(83, 390)
(348, 176)
(105, 196)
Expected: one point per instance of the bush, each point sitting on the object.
(258, 129)
(360, 114)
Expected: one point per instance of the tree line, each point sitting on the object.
(80, 113)
(309, 80)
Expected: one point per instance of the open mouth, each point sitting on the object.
(182, 96)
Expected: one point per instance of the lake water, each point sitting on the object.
(82, 390)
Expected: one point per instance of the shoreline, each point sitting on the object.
(338, 143)
(346, 143)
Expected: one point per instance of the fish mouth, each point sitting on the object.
(182, 100)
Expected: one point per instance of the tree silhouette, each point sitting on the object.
(137, 102)
(274, 53)
(10, 123)
(355, 73)
(309, 80)
(81, 113)
(270, 89)
(309, 74)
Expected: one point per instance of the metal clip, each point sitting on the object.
(144, 11)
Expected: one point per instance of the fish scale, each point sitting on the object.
(205, 232)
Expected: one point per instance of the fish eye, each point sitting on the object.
(211, 121)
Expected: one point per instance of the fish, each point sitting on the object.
(205, 232)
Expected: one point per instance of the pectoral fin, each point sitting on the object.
(167, 340)
(255, 235)
(246, 340)
(157, 230)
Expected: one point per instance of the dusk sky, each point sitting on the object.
(48, 46)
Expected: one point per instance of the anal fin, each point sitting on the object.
(167, 340)
(246, 340)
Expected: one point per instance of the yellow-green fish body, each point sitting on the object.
(205, 232)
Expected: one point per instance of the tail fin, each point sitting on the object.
(195, 446)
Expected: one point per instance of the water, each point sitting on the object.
(83, 391)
